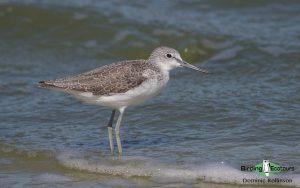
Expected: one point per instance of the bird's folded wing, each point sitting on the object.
(107, 80)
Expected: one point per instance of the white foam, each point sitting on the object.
(144, 167)
(126, 167)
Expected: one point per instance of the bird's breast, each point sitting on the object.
(151, 87)
(156, 80)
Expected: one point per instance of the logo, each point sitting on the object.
(267, 169)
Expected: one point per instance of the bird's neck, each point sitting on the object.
(163, 68)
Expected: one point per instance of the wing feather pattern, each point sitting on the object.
(107, 80)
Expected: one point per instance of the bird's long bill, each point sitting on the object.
(185, 64)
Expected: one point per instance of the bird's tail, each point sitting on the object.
(46, 84)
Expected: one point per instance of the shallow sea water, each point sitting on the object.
(197, 133)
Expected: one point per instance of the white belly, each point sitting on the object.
(143, 92)
(135, 96)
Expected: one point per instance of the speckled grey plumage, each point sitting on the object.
(122, 84)
(107, 80)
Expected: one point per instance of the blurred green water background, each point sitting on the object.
(247, 111)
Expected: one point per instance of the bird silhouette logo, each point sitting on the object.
(266, 167)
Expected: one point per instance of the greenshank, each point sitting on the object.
(122, 84)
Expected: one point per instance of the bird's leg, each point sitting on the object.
(109, 128)
(117, 130)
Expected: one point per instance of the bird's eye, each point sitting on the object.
(169, 55)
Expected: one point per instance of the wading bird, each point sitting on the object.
(122, 84)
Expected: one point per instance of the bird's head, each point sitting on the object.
(169, 58)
